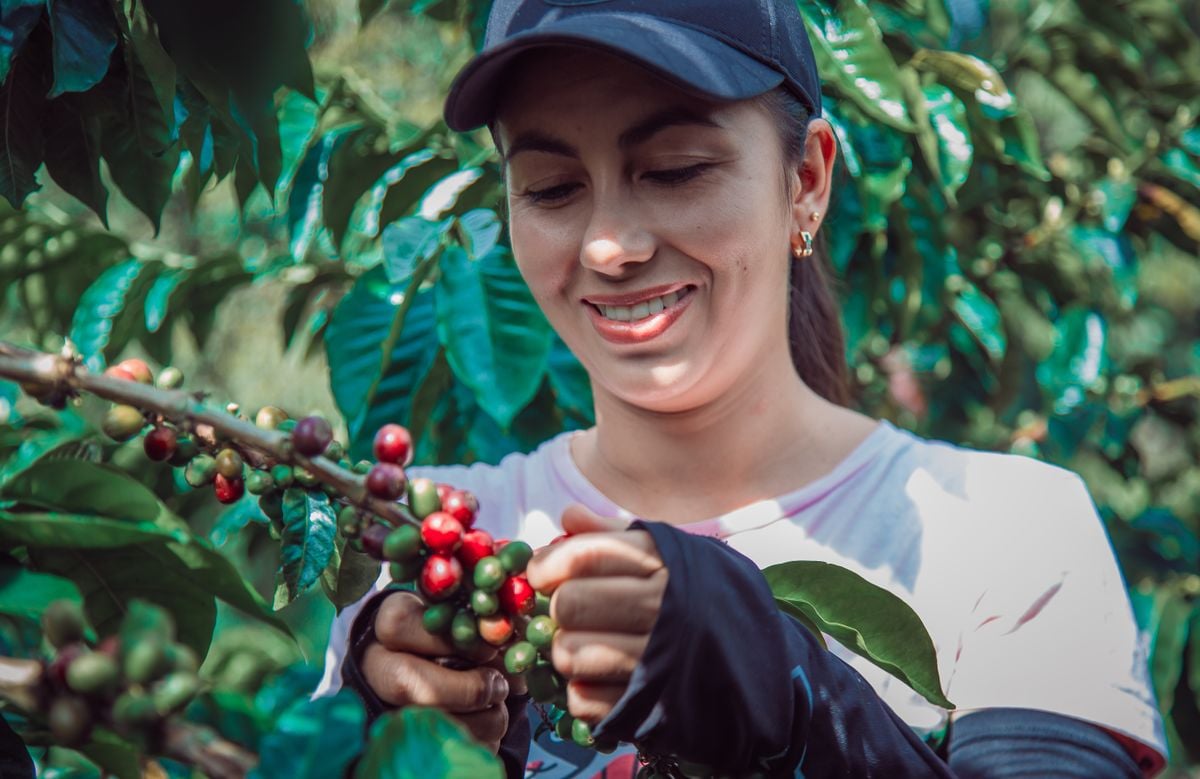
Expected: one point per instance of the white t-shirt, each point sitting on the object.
(1003, 557)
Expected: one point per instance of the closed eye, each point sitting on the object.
(672, 176)
(554, 194)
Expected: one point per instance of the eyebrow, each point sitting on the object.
(637, 134)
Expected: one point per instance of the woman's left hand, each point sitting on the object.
(607, 587)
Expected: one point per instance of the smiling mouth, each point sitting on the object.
(644, 309)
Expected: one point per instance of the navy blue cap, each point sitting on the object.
(722, 49)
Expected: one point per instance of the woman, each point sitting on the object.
(666, 170)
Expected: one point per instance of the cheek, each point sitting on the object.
(544, 253)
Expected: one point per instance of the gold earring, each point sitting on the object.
(816, 217)
(805, 249)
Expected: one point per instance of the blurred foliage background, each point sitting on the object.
(1015, 239)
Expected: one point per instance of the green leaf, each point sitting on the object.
(86, 488)
(409, 182)
(354, 168)
(116, 755)
(496, 338)
(109, 310)
(409, 242)
(309, 529)
(867, 619)
(17, 20)
(73, 154)
(854, 61)
(1182, 166)
(314, 739)
(955, 151)
(158, 297)
(22, 106)
(1168, 630)
(979, 314)
(417, 743)
(85, 35)
(381, 343)
(78, 531)
(298, 121)
(1078, 360)
(350, 575)
(24, 593)
(481, 228)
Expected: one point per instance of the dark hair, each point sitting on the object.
(815, 336)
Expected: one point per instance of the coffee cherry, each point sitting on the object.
(438, 616)
(56, 672)
(442, 491)
(541, 605)
(259, 482)
(489, 574)
(335, 451)
(146, 661)
(134, 711)
(170, 378)
(406, 570)
(484, 603)
(282, 476)
(516, 596)
(543, 682)
(159, 444)
(464, 631)
(62, 623)
(476, 545)
(230, 464)
(138, 369)
(423, 498)
(200, 471)
(403, 543)
(386, 481)
(312, 436)
(373, 539)
(70, 721)
(305, 477)
(564, 727)
(185, 450)
(348, 521)
(441, 532)
(540, 632)
(520, 657)
(269, 417)
(119, 373)
(228, 490)
(515, 555)
(174, 692)
(496, 629)
(581, 733)
(441, 577)
(462, 506)
(394, 444)
(122, 423)
(182, 658)
(94, 674)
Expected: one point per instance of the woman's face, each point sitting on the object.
(654, 228)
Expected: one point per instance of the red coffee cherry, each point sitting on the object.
(386, 481)
(462, 506)
(496, 629)
(311, 436)
(517, 596)
(441, 577)
(228, 490)
(374, 538)
(159, 444)
(441, 532)
(138, 369)
(476, 545)
(442, 491)
(117, 372)
(394, 444)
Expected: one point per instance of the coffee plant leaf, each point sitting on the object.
(408, 183)
(381, 343)
(233, 714)
(299, 118)
(314, 739)
(85, 36)
(113, 754)
(22, 107)
(854, 61)
(497, 339)
(24, 593)
(865, 618)
(358, 163)
(481, 230)
(89, 488)
(349, 575)
(979, 314)
(105, 301)
(954, 149)
(18, 21)
(420, 743)
(78, 531)
(410, 241)
(1078, 360)
(73, 154)
(309, 530)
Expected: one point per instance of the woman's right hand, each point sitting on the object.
(400, 668)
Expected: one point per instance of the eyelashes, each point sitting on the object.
(670, 177)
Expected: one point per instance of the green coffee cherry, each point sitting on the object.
(282, 476)
(175, 692)
(438, 617)
(134, 711)
(305, 477)
(423, 498)
(464, 631)
(406, 570)
(484, 603)
(541, 605)
(520, 657)
(94, 674)
(182, 658)
(122, 423)
(362, 467)
(146, 661)
(543, 682)
(70, 721)
(200, 471)
(335, 450)
(564, 727)
(489, 574)
(62, 623)
(259, 483)
(540, 632)
(403, 543)
(581, 733)
(348, 521)
(515, 555)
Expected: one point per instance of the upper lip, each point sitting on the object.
(633, 298)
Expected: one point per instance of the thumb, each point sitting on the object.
(578, 518)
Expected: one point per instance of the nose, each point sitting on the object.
(617, 239)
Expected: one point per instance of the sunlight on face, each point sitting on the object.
(652, 226)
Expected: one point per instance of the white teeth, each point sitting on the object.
(641, 310)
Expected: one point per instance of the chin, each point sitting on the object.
(663, 389)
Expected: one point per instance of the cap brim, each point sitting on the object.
(694, 60)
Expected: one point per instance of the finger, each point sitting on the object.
(403, 679)
(597, 657)
(577, 519)
(487, 726)
(618, 604)
(399, 626)
(592, 701)
(596, 554)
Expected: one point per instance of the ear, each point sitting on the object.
(813, 178)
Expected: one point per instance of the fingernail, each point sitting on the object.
(499, 688)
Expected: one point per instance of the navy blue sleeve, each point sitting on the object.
(730, 682)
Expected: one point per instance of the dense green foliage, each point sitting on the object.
(1015, 239)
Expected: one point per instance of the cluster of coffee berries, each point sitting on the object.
(132, 682)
